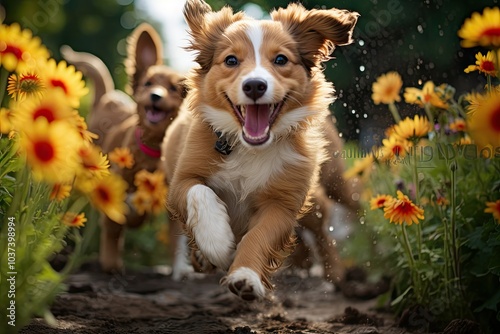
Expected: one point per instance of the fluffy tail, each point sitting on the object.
(92, 67)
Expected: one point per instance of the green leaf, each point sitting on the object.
(400, 297)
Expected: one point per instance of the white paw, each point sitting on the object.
(209, 222)
(181, 267)
(246, 284)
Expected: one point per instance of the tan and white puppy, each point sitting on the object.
(243, 160)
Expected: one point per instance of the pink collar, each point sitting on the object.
(152, 152)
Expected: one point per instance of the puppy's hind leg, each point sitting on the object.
(111, 245)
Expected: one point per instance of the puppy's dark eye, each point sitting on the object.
(147, 83)
(173, 88)
(280, 60)
(231, 61)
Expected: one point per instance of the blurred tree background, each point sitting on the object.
(417, 38)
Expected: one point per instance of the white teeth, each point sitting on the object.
(256, 138)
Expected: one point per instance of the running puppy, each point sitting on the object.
(249, 149)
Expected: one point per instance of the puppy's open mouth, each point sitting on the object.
(257, 120)
(155, 115)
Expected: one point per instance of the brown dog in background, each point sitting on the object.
(139, 123)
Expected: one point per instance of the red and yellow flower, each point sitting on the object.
(425, 96)
(73, 219)
(402, 210)
(379, 201)
(485, 64)
(481, 29)
(19, 50)
(108, 195)
(122, 157)
(484, 121)
(65, 78)
(25, 85)
(49, 149)
(52, 106)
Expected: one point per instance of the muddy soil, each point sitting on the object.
(151, 302)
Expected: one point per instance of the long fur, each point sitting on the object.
(255, 194)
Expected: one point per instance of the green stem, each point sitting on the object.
(395, 113)
(417, 198)
(411, 263)
(429, 114)
(4, 75)
(453, 232)
(488, 84)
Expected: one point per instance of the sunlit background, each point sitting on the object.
(417, 38)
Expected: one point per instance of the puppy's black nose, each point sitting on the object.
(254, 88)
(155, 96)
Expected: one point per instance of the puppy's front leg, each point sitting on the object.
(208, 222)
(260, 251)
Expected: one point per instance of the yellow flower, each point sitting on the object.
(485, 64)
(6, 117)
(458, 125)
(81, 127)
(484, 122)
(60, 191)
(151, 192)
(50, 150)
(481, 30)
(65, 78)
(412, 129)
(360, 167)
(122, 157)
(494, 208)
(394, 147)
(25, 85)
(108, 195)
(465, 140)
(152, 183)
(426, 96)
(402, 210)
(92, 162)
(386, 89)
(74, 220)
(19, 51)
(379, 201)
(52, 106)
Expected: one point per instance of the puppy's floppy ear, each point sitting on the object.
(206, 27)
(144, 49)
(316, 31)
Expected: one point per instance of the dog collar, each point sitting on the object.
(221, 145)
(152, 152)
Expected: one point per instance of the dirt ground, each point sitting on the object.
(151, 302)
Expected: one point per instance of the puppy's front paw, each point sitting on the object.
(246, 284)
(209, 223)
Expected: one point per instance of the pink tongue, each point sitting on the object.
(154, 116)
(257, 119)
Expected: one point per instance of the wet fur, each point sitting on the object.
(115, 118)
(240, 210)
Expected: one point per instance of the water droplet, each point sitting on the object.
(361, 68)
(365, 116)
(331, 228)
(420, 29)
(361, 42)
